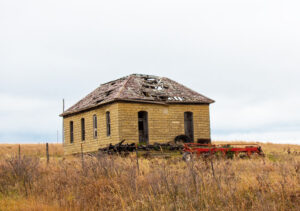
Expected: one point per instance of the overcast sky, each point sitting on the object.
(243, 54)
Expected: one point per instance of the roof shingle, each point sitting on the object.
(139, 88)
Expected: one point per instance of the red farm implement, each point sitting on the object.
(228, 150)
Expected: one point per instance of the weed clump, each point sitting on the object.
(105, 182)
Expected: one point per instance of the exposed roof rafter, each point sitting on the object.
(139, 88)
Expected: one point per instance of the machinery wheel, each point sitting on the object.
(182, 139)
(187, 156)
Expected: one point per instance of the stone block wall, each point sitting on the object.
(165, 122)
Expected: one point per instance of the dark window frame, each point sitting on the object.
(189, 125)
(108, 124)
(82, 129)
(71, 132)
(143, 128)
(95, 126)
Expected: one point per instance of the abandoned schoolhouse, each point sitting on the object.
(138, 108)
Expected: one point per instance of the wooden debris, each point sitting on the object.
(122, 148)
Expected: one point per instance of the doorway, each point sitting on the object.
(143, 127)
(189, 125)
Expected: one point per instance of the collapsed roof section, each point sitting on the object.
(139, 88)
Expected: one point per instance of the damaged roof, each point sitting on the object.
(139, 88)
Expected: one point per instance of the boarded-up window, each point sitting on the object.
(95, 126)
(82, 129)
(108, 123)
(71, 132)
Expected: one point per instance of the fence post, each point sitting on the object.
(19, 153)
(137, 159)
(47, 152)
(19, 158)
(82, 157)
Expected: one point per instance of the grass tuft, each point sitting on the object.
(115, 183)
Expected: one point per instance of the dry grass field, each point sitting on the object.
(115, 183)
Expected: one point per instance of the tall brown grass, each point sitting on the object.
(33, 150)
(115, 183)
